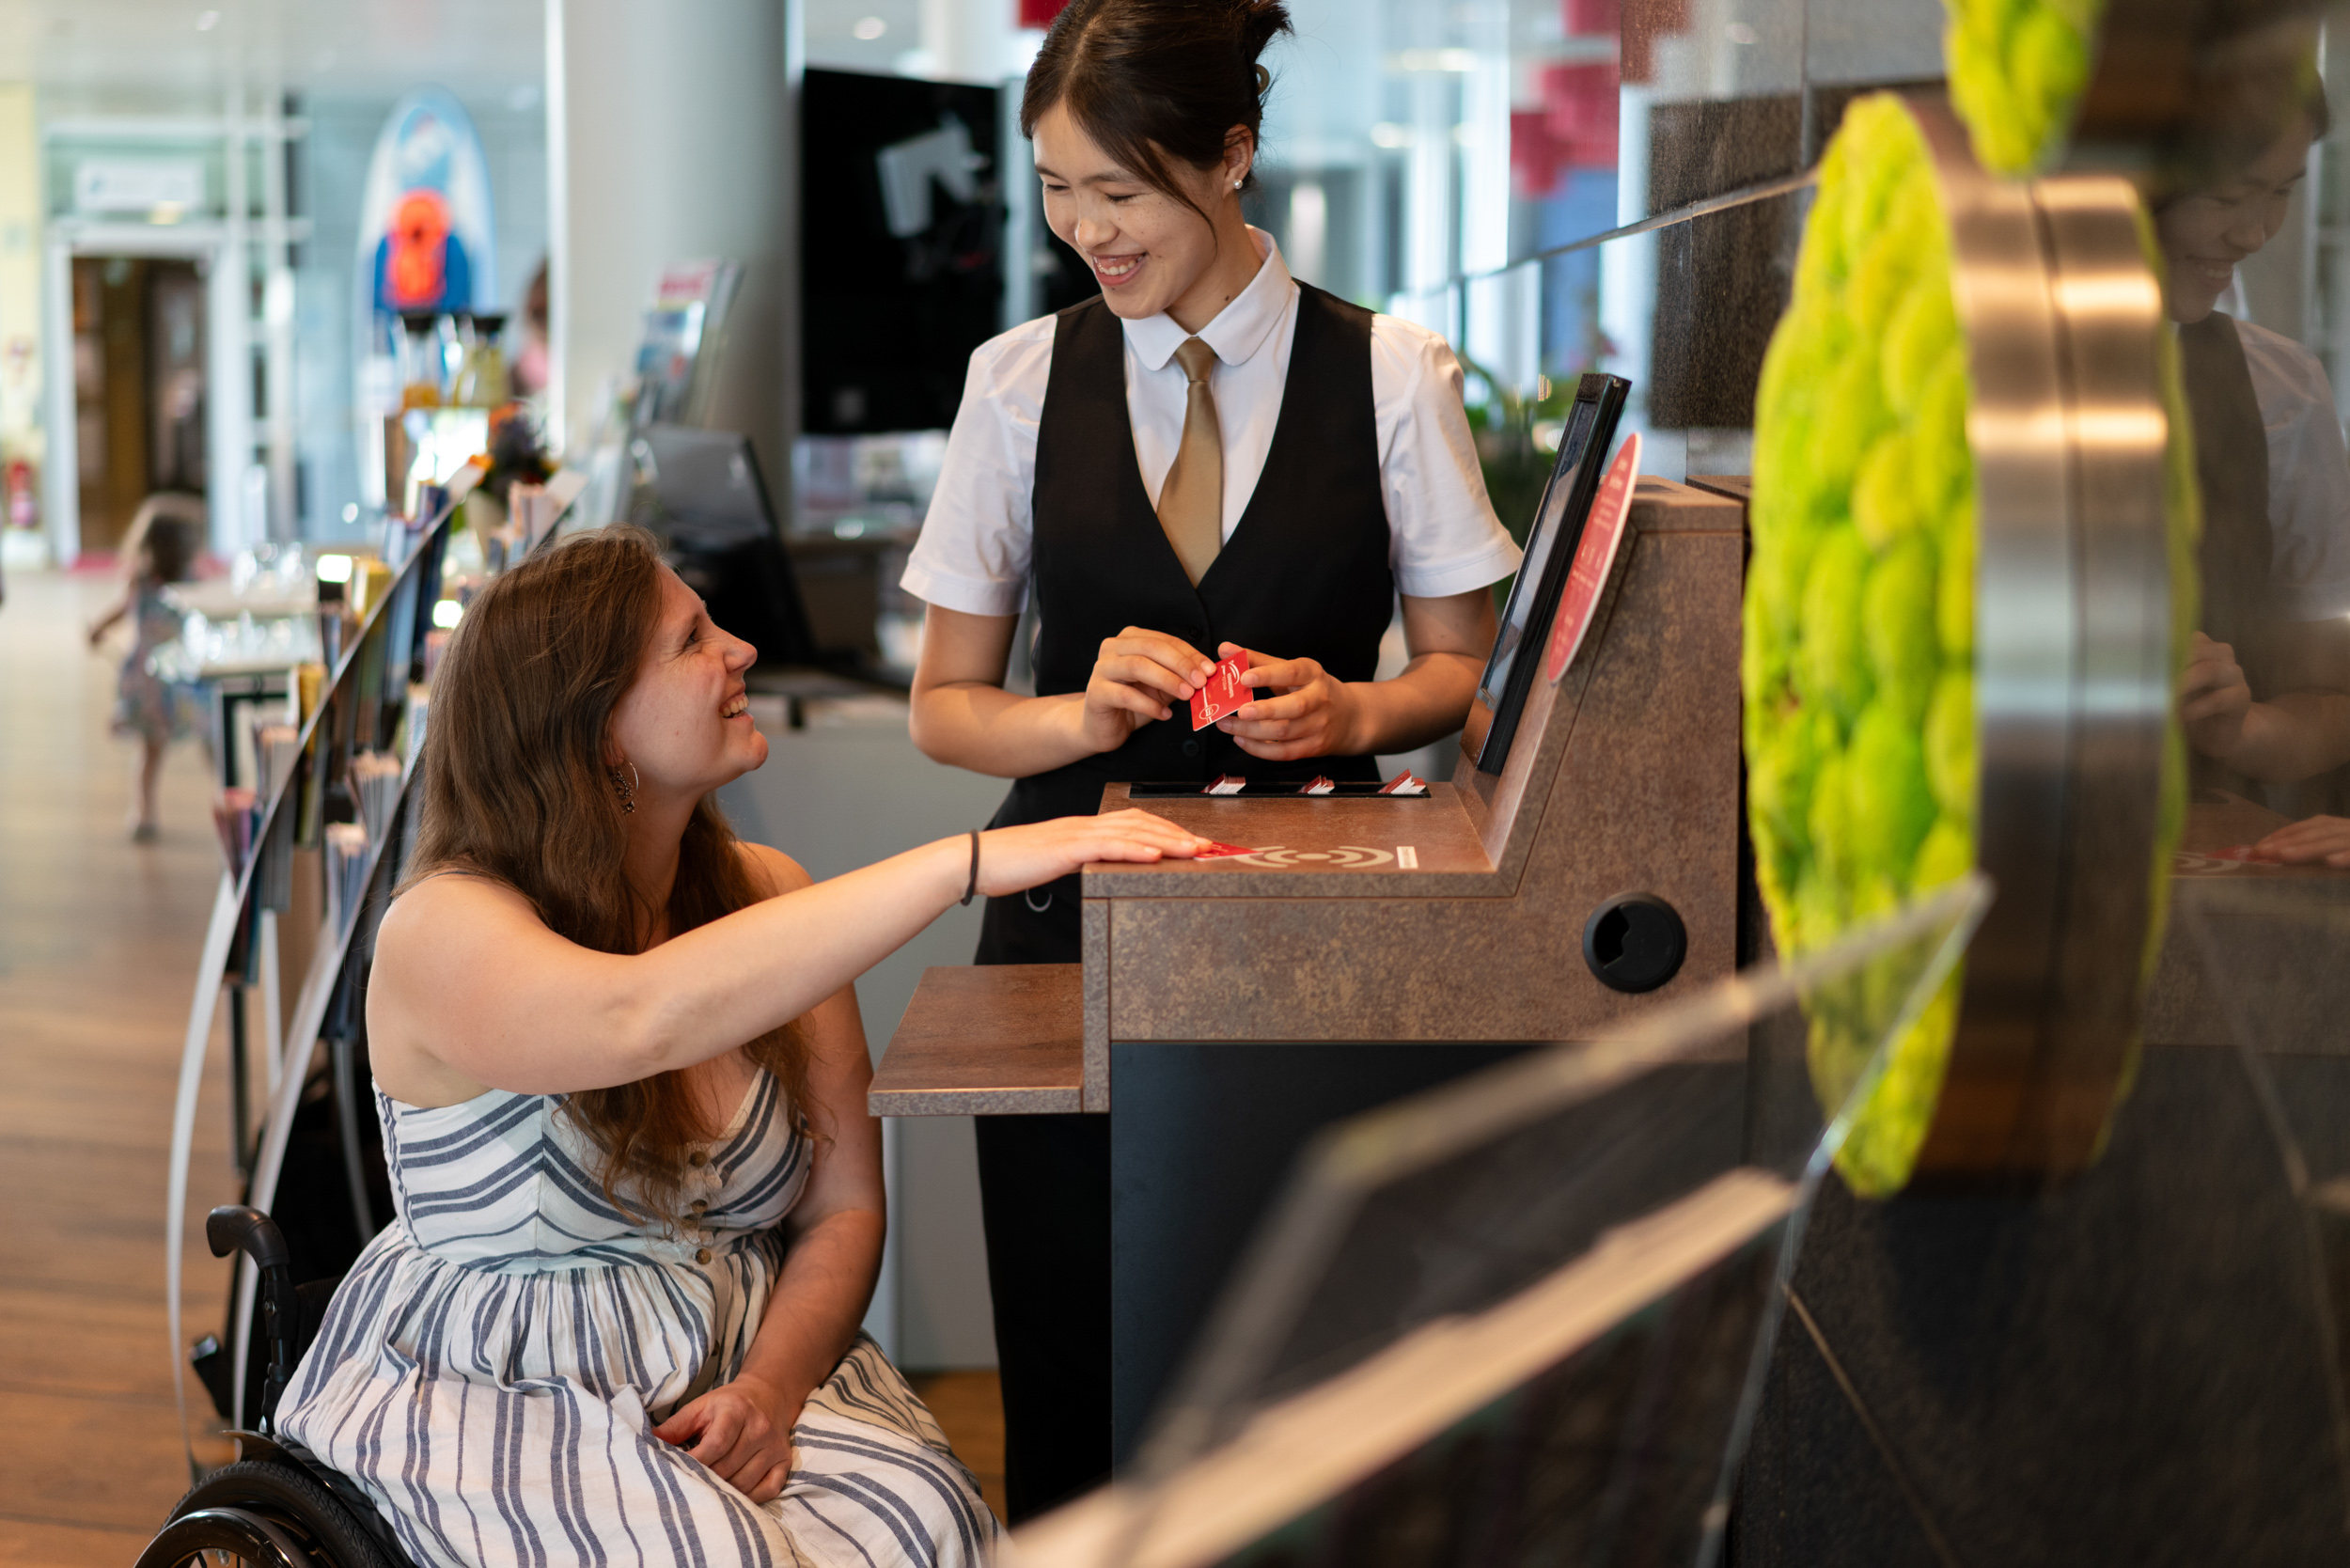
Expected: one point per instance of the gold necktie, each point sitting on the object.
(1191, 502)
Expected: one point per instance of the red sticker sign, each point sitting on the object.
(1595, 556)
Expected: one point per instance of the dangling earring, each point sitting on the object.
(626, 788)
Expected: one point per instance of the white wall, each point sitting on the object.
(667, 135)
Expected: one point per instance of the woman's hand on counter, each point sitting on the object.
(2316, 839)
(1138, 676)
(1015, 858)
(1305, 711)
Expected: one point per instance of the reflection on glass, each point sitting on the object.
(2267, 694)
(1515, 1318)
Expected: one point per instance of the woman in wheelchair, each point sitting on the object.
(621, 1079)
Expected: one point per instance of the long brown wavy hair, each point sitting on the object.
(516, 790)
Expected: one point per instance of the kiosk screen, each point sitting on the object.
(1550, 543)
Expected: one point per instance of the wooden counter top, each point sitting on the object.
(1003, 1039)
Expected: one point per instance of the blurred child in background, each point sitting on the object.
(160, 548)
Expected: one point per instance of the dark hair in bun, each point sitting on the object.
(1155, 80)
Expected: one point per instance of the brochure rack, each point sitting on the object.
(366, 705)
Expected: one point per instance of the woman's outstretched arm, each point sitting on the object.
(743, 1429)
(471, 990)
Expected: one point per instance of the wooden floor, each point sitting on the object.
(98, 942)
(99, 945)
(970, 1406)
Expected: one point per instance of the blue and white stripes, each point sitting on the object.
(491, 1369)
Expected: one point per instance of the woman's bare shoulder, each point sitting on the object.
(449, 900)
(775, 871)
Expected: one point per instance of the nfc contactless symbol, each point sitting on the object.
(1346, 858)
(2187, 863)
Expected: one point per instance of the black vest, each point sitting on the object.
(2236, 550)
(1304, 573)
(2231, 470)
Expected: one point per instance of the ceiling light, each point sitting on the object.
(206, 20)
(870, 28)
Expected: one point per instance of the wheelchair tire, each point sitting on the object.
(297, 1502)
(201, 1537)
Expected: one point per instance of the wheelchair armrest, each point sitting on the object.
(234, 1228)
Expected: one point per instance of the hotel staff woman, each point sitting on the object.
(1209, 456)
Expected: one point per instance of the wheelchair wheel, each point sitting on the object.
(292, 1504)
(216, 1537)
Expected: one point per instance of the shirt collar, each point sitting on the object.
(1239, 329)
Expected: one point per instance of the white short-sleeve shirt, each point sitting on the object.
(2309, 477)
(1444, 538)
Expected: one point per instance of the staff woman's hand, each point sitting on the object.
(2214, 698)
(740, 1430)
(1013, 858)
(1138, 676)
(1310, 713)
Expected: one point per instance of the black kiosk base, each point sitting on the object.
(1201, 1138)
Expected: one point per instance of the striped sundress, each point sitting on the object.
(492, 1367)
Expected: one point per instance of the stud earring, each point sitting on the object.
(626, 789)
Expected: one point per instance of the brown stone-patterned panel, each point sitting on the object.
(998, 1039)
(1497, 802)
(1642, 797)
(1094, 936)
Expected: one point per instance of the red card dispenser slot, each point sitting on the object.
(1226, 784)
(1404, 784)
(1321, 784)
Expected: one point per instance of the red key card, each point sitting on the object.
(1215, 850)
(1223, 695)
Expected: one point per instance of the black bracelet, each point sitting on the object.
(970, 891)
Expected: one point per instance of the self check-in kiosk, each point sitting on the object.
(1369, 947)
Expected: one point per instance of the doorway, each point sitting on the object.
(139, 386)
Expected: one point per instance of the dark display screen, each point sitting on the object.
(903, 274)
(1540, 544)
(1550, 544)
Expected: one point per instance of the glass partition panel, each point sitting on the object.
(1526, 1310)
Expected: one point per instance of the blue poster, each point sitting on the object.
(424, 234)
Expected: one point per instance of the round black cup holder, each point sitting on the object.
(1634, 942)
